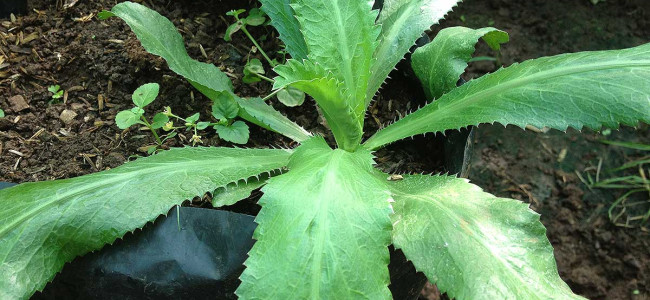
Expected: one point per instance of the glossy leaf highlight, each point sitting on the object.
(586, 89)
(43, 225)
(473, 245)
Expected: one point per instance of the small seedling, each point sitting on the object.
(57, 93)
(224, 111)
(254, 70)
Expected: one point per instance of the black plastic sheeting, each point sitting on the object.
(197, 254)
(8, 7)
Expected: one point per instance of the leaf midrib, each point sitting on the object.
(180, 166)
(455, 217)
(462, 103)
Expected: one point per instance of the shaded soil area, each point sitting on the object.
(100, 63)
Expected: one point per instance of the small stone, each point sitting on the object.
(18, 103)
(67, 116)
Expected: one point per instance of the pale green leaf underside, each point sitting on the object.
(284, 21)
(473, 245)
(256, 111)
(440, 63)
(233, 192)
(341, 36)
(402, 23)
(159, 36)
(592, 89)
(46, 224)
(321, 235)
(327, 91)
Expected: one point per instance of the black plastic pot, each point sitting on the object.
(16, 7)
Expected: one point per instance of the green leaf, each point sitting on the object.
(256, 111)
(439, 64)
(232, 29)
(126, 119)
(145, 94)
(46, 224)
(202, 125)
(236, 133)
(104, 14)
(283, 19)
(225, 107)
(471, 244)
(54, 89)
(193, 118)
(236, 191)
(159, 37)
(341, 36)
(253, 68)
(137, 111)
(402, 23)
(255, 17)
(291, 97)
(592, 89)
(320, 234)
(2, 113)
(319, 83)
(159, 120)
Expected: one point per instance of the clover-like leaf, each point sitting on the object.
(126, 119)
(145, 94)
(159, 120)
(225, 107)
(236, 132)
(291, 96)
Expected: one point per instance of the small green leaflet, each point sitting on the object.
(291, 96)
(43, 225)
(283, 19)
(253, 68)
(234, 192)
(2, 113)
(159, 120)
(145, 94)
(126, 119)
(321, 235)
(225, 107)
(587, 89)
(471, 244)
(236, 133)
(440, 63)
(402, 22)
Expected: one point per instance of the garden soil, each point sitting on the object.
(100, 63)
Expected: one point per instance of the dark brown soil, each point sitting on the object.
(94, 59)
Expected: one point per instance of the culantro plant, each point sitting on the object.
(328, 218)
